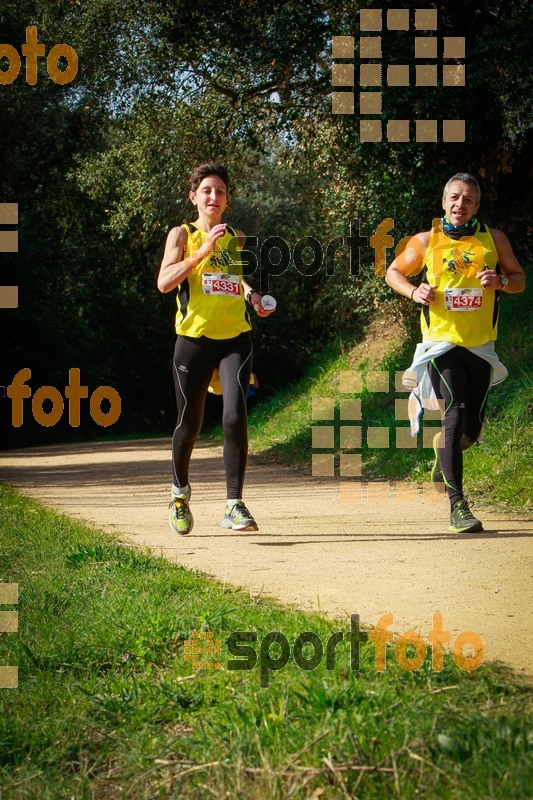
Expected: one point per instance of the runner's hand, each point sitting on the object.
(215, 233)
(425, 294)
(489, 279)
(258, 308)
(263, 312)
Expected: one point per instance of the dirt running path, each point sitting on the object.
(316, 548)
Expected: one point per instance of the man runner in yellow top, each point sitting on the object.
(467, 265)
(203, 261)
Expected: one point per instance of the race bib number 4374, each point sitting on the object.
(463, 299)
(221, 283)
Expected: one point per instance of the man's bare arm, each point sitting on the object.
(408, 263)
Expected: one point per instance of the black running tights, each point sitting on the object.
(462, 380)
(194, 362)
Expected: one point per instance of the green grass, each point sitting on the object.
(108, 707)
(498, 472)
(502, 466)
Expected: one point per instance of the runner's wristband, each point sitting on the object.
(412, 293)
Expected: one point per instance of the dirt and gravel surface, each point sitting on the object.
(322, 544)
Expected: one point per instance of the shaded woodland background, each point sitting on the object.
(98, 168)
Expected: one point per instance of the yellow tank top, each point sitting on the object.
(463, 313)
(211, 299)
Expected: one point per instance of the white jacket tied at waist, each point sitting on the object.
(416, 378)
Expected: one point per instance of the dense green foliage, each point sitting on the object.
(107, 705)
(98, 168)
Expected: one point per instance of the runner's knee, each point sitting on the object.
(187, 432)
(466, 441)
(233, 422)
(454, 418)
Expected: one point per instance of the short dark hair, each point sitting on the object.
(465, 177)
(204, 170)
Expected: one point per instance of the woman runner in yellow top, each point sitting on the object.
(203, 261)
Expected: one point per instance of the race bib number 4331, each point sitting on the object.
(463, 299)
(221, 283)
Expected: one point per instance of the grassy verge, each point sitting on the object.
(499, 471)
(108, 707)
